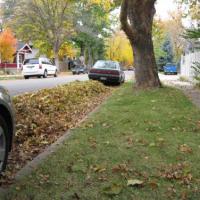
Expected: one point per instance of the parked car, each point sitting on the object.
(170, 68)
(107, 71)
(79, 70)
(7, 127)
(131, 68)
(39, 67)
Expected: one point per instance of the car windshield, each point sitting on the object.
(77, 67)
(31, 61)
(105, 65)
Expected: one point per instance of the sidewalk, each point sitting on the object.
(188, 88)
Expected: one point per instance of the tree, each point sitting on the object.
(119, 49)
(193, 33)
(49, 21)
(137, 20)
(7, 45)
(92, 25)
(193, 8)
(168, 49)
(8, 10)
(174, 28)
(159, 35)
(1, 19)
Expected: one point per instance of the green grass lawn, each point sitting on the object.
(147, 136)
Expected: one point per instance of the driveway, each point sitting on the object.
(168, 77)
(16, 87)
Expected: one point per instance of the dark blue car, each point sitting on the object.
(170, 68)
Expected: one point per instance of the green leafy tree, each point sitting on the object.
(168, 49)
(48, 21)
(92, 26)
(193, 8)
(193, 33)
(8, 9)
(159, 35)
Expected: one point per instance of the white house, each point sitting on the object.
(191, 56)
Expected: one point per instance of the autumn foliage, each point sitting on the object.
(119, 49)
(7, 45)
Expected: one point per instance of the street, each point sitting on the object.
(17, 87)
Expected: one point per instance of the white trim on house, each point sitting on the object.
(26, 45)
(190, 57)
(187, 61)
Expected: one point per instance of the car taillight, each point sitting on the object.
(40, 66)
(93, 71)
(114, 72)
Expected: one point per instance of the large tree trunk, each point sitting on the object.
(137, 20)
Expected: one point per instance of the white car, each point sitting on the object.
(39, 67)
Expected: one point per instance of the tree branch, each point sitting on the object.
(125, 26)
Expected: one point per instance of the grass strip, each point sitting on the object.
(140, 145)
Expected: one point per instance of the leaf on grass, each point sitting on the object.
(113, 189)
(99, 169)
(185, 148)
(121, 168)
(152, 144)
(153, 185)
(135, 182)
(44, 116)
(18, 188)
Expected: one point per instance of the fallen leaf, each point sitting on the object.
(152, 144)
(185, 148)
(153, 185)
(135, 182)
(113, 189)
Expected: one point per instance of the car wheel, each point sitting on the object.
(26, 77)
(4, 146)
(45, 74)
(56, 74)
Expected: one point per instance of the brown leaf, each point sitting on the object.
(185, 148)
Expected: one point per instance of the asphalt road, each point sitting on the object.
(16, 87)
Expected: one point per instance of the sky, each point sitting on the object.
(163, 8)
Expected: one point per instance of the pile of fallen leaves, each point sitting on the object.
(44, 116)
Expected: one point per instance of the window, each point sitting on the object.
(106, 65)
(32, 61)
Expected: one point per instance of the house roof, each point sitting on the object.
(23, 47)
